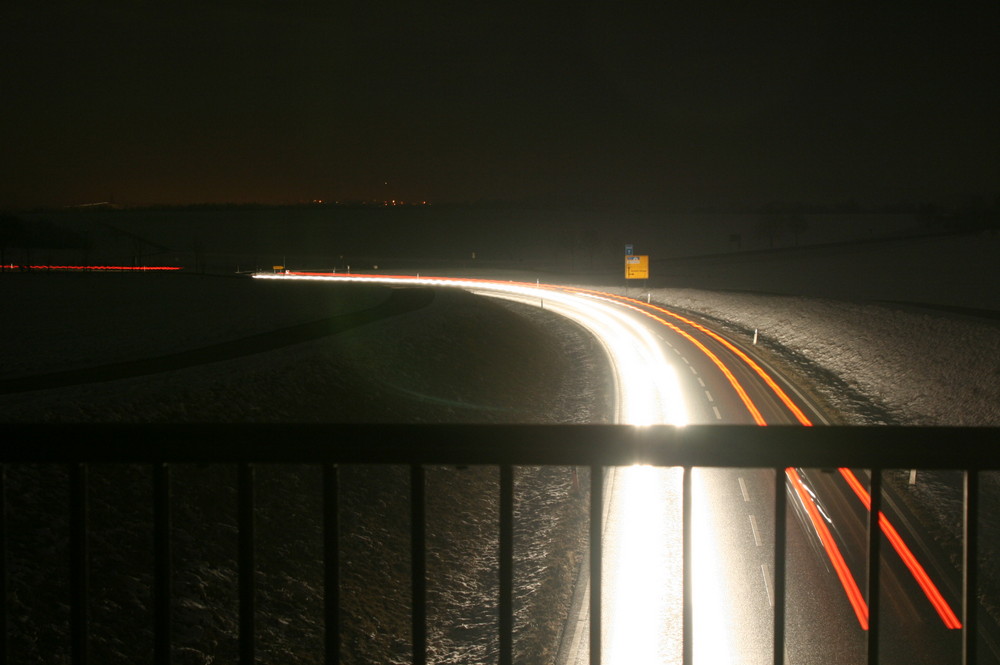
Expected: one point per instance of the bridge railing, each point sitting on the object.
(971, 450)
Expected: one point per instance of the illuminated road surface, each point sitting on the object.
(671, 370)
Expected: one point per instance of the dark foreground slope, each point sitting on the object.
(458, 359)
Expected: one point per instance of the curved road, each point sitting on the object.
(672, 368)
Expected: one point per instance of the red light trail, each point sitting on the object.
(919, 574)
(843, 571)
(11, 267)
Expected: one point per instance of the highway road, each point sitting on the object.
(670, 368)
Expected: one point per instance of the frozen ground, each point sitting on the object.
(458, 359)
(875, 362)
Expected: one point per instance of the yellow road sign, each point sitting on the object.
(637, 267)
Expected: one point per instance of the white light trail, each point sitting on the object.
(648, 390)
(642, 614)
(642, 556)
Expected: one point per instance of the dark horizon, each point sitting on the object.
(976, 205)
(602, 105)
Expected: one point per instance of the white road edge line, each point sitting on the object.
(743, 489)
(756, 533)
(767, 584)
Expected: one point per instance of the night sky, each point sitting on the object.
(600, 103)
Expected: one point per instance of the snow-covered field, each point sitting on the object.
(876, 363)
(459, 359)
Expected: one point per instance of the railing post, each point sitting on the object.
(780, 551)
(247, 564)
(331, 563)
(506, 600)
(688, 589)
(162, 564)
(874, 564)
(79, 568)
(970, 582)
(596, 547)
(3, 564)
(418, 563)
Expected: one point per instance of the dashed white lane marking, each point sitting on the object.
(756, 533)
(676, 350)
(717, 414)
(709, 396)
(685, 360)
(743, 490)
(701, 382)
(767, 584)
(693, 370)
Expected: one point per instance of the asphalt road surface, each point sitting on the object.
(671, 368)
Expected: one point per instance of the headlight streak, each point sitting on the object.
(714, 624)
(775, 388)
(642, 608)
(641, 616)
(923, 580)
(648, 390)
(931, 591)
(785, 399)
(648, 387)
(736, 385)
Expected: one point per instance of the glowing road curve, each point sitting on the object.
(670, 369)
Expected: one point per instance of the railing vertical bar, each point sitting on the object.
(3, 564)
(247, 564)
(596, 546)
(874, 564)
(970, 581)
(506, 600)
(688, 593)
(331, 563)
(780, 550)
(79, 577)
(418, 562)
(162, 564)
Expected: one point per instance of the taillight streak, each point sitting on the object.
(768, 379)
(733, 381)
(832, 550)
(826, 537)
(930, 589)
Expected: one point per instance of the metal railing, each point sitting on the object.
(595, 446)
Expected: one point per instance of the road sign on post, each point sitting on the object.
(628, 250)
(637, 267)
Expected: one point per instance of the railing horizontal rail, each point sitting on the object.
(597, 446)
(609, 445)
